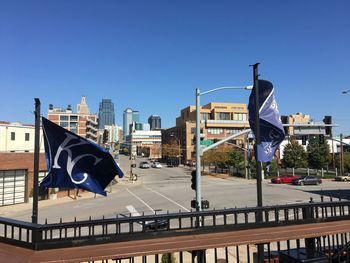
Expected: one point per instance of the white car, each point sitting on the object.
(156, 165)
(344, 178)
(144, 165)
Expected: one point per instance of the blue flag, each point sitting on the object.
(75, 162)
(271, 128)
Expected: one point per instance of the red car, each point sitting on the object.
(284, 179)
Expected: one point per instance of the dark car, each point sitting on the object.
(307, 180)
(285, 179)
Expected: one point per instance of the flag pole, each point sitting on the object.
(36, 162)
(258, 163)
(257, 134)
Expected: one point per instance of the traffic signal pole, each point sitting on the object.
(198, 157)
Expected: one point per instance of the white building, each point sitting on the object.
(17, 137)
(148, 139)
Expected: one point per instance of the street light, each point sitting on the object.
(178, 141)
(198, 160)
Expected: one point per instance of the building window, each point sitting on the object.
(215, 130)
(73, 118)
(26, 136)
(223, 116)
(193, 130)
(205, 116)
(64, 124)
(63, 118)
(13, 136)
(240, 117)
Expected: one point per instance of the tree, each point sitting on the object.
(317, 154)
(236, 159)
(346, 158)
(294, 155)
(219, 156)
(168, 258)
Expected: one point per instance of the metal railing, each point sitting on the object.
(123, 228)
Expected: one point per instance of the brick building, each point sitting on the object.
(82, 122)
(218, 121)
(16, 177)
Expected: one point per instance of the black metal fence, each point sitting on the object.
(331, 248)
(61, 234)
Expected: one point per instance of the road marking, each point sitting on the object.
(167, 198)
(132, 210)
(150, 208)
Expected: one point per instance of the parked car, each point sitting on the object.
(307, 180)
(344, 178)
(156, 165)
(284, 179)
(144, 165)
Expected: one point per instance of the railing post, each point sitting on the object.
(310, 244)
(37, 237)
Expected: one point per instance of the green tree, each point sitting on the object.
(219, 156)
(125, 150)
(236, 159)
(317, 154)
(346, 157)
(168, 258)
(294, 155)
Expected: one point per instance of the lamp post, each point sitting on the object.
(198, 133)
(178, 141)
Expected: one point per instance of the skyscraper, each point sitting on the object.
(129, 116)
(106, 114)
(155, 122)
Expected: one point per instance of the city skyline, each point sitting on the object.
(153, 56)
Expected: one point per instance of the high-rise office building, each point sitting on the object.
(106, 114)
(129, 116)
(155, 122)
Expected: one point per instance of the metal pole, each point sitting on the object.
(246, 141)
(258, 164)
(36, 162)
(257, 134)
(341, 156)
(198, 157)
(333, 155)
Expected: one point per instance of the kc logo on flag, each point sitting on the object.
(75, 162)
(271, 128)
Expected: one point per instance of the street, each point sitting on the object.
(168, 189)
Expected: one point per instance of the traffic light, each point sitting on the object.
(194, 180)
(321, 139)
(105, 136)
(328, 120)
(303, 139)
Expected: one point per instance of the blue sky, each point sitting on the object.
(152, 55)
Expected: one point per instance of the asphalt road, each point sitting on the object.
(168, 189)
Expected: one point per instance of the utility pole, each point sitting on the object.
(341, 156)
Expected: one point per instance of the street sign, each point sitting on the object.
(207, 142)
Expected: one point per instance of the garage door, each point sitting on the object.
(12, 187)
